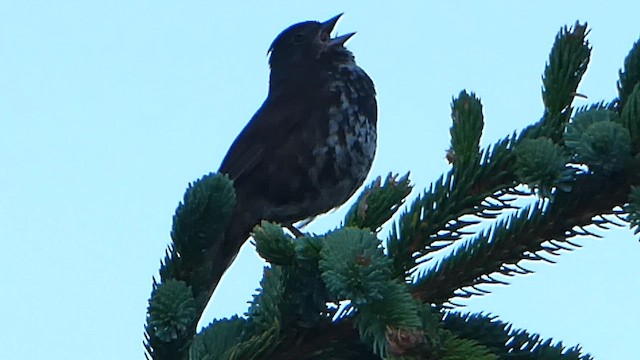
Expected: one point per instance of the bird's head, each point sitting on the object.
(307, 42)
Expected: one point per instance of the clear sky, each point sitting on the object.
(108, 109)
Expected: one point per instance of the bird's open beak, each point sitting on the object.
(328, 27)
(331, 23)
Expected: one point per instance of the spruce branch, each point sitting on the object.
(215, 340)
(505, 341)
(630, 117)
(567, 64)
(378, 202)
(262, 334)
(541, 165)
(433, 220)
(596, 138)
(273, 245)
(300, 311)
(484, 189)
(629, 75)
(353, 266)
(191, 269)
(524, 236)
(632, 208)
(468, 121)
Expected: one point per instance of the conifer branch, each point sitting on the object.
(524, 236)
(580, 170)
(507, 342)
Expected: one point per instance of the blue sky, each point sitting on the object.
(109, 109)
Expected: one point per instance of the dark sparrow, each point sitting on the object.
(311, 144)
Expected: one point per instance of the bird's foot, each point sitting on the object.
(295, 231)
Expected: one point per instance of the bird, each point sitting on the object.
(311, 144)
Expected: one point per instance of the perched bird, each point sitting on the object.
(311, 144)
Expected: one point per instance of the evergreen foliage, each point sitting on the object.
(347, 294)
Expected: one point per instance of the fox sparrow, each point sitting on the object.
(311, 143)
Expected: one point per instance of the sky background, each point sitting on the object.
(108, 109)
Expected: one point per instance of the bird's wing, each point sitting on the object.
(267, 129)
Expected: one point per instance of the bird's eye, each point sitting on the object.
(298, 38)
(324, 37)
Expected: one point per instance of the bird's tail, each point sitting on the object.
(223, 253)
